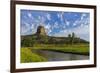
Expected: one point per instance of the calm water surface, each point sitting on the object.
(59, 56)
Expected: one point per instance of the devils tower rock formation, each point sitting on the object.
(41, 31)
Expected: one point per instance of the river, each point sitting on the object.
(60, 56)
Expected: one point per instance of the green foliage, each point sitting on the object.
(28, 56)
(43, 39)
(27, 42)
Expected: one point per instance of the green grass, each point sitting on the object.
(28, 56)
(75, 48)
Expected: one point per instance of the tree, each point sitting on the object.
(69, 38)
(73, 37)
(27, 42)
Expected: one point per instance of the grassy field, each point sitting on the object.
(28, 56)
(76, 48)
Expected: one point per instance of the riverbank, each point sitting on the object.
(75, 48)
(28, 56)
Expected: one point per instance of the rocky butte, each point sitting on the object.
(40, 31)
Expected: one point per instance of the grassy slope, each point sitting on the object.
(28, 56)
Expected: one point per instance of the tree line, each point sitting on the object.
(30, 41)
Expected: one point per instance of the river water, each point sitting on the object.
(60, 56)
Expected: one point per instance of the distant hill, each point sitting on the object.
(41, 37)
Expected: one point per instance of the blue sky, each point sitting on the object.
(56, 23)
